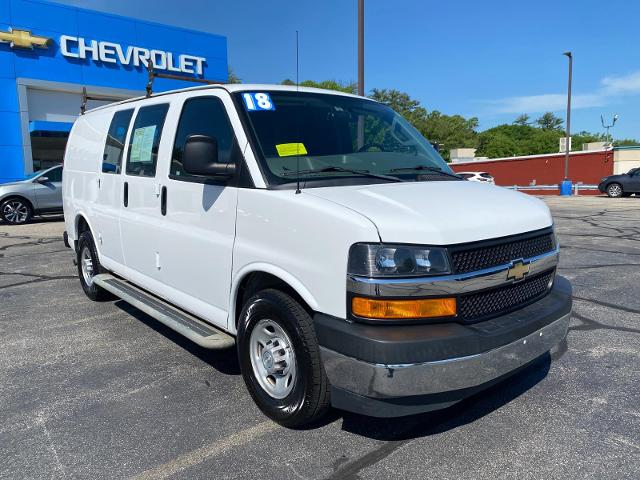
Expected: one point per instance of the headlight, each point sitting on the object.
(381, 260)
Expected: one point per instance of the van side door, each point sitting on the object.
(140, 216)
(198, 231)
(109, 201)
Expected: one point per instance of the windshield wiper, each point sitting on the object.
(365, 173)
(425, 167)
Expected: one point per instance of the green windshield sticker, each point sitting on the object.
(142, 144)
(290, 149)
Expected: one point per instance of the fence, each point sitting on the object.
(576, 188)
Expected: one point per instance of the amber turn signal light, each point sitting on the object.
(398, 309)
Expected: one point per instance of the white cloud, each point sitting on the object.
(612, 87)
(625, 85)
(545, 103)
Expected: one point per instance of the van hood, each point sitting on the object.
(441, 213)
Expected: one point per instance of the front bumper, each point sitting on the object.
(482, 354)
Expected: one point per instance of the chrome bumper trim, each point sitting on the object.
(384, 381)
(448, 284)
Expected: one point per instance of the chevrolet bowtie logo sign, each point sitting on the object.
(518, 271)
(23, 39)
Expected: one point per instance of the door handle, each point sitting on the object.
(126, 194)
(163, 201)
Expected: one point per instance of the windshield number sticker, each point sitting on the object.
(258, 101)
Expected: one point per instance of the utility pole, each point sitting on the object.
(361, 47)
(568, 132)
(360, 68)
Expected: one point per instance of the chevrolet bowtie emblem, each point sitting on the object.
(518, 271)
(23, 39)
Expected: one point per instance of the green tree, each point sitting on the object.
(347, 87)
(523, 119)
(449, 131)
(548, 121)
(402, 103)
(233, 78)
(626, 142)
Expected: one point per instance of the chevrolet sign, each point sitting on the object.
(109, 52)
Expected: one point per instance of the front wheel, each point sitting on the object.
(280, 359)
(614, 190)
(16, 211)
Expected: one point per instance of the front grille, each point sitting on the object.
(491, 303)
(479, 257)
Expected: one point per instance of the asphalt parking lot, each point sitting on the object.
(100, 390)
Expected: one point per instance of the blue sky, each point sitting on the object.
(491, 59)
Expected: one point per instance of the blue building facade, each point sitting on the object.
(49, 52)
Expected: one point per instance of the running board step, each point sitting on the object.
(194, 329)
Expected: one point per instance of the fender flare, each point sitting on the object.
(271, 269)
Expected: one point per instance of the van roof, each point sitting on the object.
(231, 88)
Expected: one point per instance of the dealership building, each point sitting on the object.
(49, 52)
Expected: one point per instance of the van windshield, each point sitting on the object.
(335, 136)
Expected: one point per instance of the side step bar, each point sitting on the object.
(194, 329)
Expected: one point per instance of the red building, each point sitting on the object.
(587, 167)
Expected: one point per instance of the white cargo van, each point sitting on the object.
(322, 235)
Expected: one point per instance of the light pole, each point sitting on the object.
(607, 127)
(360, 68)
(568, 132)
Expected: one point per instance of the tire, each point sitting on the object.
(297, 392)
(16, 211)
(88, 267)
(614, 190)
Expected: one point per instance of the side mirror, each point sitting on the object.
(200, 157)
(42, 179)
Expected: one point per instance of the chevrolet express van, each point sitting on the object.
(320, 234)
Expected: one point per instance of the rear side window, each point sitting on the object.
(485, 175)
(202, 116)
(114, 147)
(145, 139)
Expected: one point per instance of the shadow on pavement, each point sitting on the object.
(225, 361)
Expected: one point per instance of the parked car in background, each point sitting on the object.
(40, 192)
(623, 185)
(477, 177)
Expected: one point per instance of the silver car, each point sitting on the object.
(40, 192)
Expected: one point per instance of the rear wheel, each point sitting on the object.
(280, 359)
(16, 211)
(88, 267)
(614, 190)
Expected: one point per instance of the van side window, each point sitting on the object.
(203, 116)
(114, 146)
(142, 157)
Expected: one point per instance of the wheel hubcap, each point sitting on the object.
(272, 358)
(15, 212)
(86, 264)
(615, 190)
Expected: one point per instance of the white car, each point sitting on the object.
(477, 177)
(344, 267)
